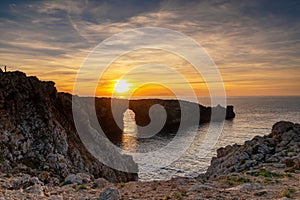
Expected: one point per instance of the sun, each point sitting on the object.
(122, 86)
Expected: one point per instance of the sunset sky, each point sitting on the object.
(255, 44)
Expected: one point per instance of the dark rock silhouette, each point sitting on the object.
(141, 109)
(229, 112)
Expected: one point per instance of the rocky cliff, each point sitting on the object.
(280, 149)
(37, 132)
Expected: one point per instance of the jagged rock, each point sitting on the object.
(229, 112)
(281, 127)
(281, 148)
(25, 182)
(100, 183)
(110, 193)
(80, 178)
(37, 130)
(35, 189)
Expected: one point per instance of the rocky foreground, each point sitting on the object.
(263, 168)
(42, 156)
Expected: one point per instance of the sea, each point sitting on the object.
(254, 116)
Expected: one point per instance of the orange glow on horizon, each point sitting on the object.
(249, 84)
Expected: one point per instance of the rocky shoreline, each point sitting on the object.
(38, 131)
(42, 157)
(275, 175)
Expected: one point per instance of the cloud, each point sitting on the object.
(257, 42)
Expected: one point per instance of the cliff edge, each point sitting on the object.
(37, 132)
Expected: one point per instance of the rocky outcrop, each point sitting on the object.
(175, 115)
(281, 149)
(37, 132)
(174, 112)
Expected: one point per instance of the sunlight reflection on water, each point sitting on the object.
(254, 116)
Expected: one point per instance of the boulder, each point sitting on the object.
(281, 127)
(25, 182)
(110, 193)
(80, 178)
(100, 183)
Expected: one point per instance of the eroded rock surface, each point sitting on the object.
(264, 180)
(37, 133)
(281, 149)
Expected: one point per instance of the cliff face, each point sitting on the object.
(37, 131)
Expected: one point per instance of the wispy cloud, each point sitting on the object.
(256, 44)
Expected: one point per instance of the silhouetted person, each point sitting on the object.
(5, 68)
